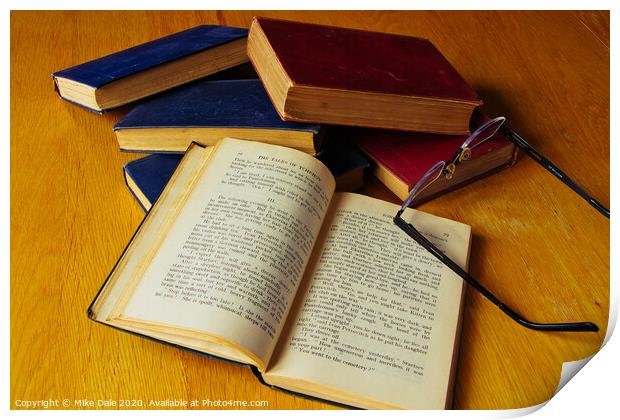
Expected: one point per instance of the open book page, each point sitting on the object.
(230, 264)
(153, 227)
(376, 319)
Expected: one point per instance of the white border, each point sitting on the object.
(592, 394)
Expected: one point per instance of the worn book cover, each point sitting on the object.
(346, 76)
(400, 159)
(146, 177)
(152, 67)
(204, 112)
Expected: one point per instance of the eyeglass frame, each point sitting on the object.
(447, 169)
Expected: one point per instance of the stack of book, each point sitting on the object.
(247, 253)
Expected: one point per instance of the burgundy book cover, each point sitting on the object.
(410, 155)
(350, 59)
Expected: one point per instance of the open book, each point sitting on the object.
(249, 255)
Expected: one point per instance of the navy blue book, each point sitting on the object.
(206, 111)
(126, 76)
(146, 177)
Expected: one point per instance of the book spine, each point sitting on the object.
(320, 140)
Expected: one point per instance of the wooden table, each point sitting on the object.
(536, 244)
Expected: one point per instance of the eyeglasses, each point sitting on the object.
(447, 169)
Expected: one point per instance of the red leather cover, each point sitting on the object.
(349, 59)
(410, 155)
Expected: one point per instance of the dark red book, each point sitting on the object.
(330, 75)
(400, 159)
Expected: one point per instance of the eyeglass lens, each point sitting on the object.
(483, 133)
(427, 179)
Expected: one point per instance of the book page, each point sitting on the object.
(377, 316)
(232, 260)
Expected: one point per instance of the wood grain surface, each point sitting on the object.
(536, 244)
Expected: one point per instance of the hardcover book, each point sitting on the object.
(346, 163)
(140, 71)
(400, 159)
(207, 111)
(146, 177)
(330, 75)
(249, 255)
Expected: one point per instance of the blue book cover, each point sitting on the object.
(207, 104)
(146, 177)
(105, 70)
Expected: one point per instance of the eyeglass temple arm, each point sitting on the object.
(548, 165)
(568, 327)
